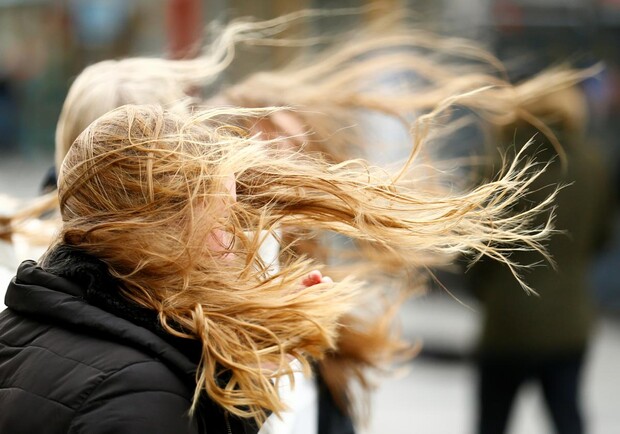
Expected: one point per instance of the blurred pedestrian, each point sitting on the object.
(543, 336)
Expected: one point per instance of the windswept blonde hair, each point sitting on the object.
(322, 94)
(25, 221)
(326, 84)
(325, 91)
(143, 188)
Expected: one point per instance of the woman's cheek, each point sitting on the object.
(219, 241)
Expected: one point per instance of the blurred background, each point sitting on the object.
(45, 43)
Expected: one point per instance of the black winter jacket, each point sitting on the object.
(76, 358)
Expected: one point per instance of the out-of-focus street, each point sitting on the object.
(21, 177)
(437, 394)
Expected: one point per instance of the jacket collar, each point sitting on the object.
(76, 289)
(82, 294)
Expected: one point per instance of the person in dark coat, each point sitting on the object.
(133, 321)
(77, 358)
(153, 312)
(544, 336)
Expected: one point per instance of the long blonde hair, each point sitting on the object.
(325, 91)
(326, 88)
(142, 189)
(322, 95)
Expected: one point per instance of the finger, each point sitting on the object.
(312, 278)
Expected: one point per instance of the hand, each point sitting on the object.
(314, 278)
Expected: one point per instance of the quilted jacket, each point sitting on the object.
(76, 358)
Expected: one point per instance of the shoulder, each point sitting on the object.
(140, 397)
(91, 383)
(86, 361)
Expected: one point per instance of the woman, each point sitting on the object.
(325, 93)
(152, 312)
